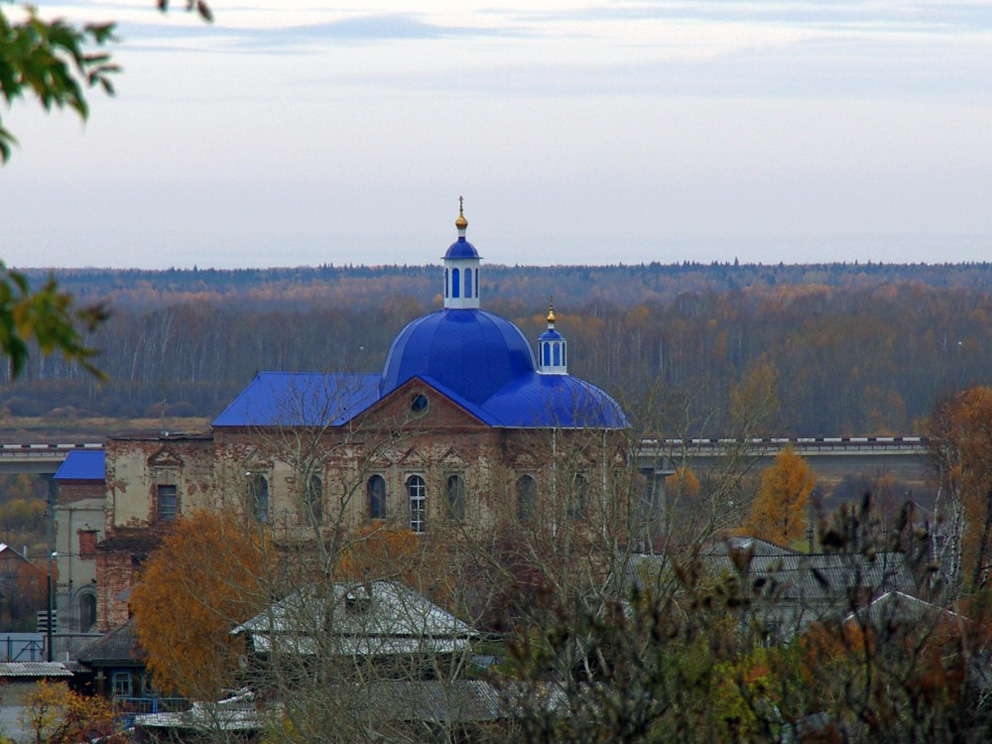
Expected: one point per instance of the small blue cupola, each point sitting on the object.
(551, 351)
(461, 269)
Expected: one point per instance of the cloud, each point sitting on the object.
(823, 68)
(918, 17)
(358, 29)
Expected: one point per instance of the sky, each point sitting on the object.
(296, 132)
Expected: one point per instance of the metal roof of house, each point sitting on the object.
(379, 618)
(120, 645)
(424, 701)
(792, 590)
(33, 669)
(82, 465)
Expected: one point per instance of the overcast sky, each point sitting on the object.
(579, 131)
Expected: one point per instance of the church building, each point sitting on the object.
(464, 426)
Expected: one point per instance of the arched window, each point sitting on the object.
(547, 354)
(456, 498)
(258, 497)
(564, 361)
(376, 488)
(455, 289)
(476, 282)
(417, 491)
(557, 354)
(315, 499)
(468, 282)
(445, 282)
(526, 497)
(87, 612)
(579, 497)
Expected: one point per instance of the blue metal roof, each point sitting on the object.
(461, 248)
(476, 359)
(470, 351)
(83, 466)
(536, 400)
(301, 399)
(550, 335)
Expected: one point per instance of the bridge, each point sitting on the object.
(38, 459)
(905, 459)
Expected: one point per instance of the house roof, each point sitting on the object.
(756, 545)
(83, 465)
(119, 646)
(793, 590)
(895, 607)
(427, 701)
(435, 701)
(379, 618)
(33, 669)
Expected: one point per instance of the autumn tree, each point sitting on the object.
(960, 441)
(54, 714)
(210, 573)
(779, 510)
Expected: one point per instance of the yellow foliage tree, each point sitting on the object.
(683, 482)
(960, 441)
(54, 714)
(209, 575)
(377, 552)
(779, 511)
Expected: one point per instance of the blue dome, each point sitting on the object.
(461, 248)
(550, 335)
(556, 400)
(473, 353)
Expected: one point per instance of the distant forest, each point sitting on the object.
(857, 348)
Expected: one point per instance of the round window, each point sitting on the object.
(419, 404)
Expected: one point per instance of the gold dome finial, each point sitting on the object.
(551, 309)
(461, 223)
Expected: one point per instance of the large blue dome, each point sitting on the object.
(471, 352)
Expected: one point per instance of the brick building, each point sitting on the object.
(463, 425)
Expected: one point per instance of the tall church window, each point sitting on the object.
(446, 278)
(167, 502)
(456, 498)
(547, 355)
(468, 282)
(476, 282)
(557, 354)
(417, 491)
(455, 289)
(526, 497)
(258, 494)
(87, 612)
(376, 488)
(315, 499)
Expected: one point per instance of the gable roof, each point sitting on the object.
(301, 399)
(374, 619)
(83, 465)
(118, 647)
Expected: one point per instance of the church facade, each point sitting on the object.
(464, 427)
